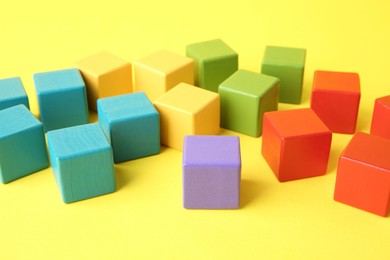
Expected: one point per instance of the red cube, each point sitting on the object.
(363, 174)
(335, 98)
(295, 144)
(380, 124)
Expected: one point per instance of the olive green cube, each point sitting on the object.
(245, 97)
(214, 62)
(288, 65)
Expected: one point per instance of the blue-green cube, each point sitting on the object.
(131, 124)
(245, 97)
(82, 162)
(287, 64)
(215, 61)
(12, 93)
(22, 144)
(62, 98)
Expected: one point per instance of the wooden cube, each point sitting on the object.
(380, 123)
(12, 93)
(335, 99)
(287, 64)
(105, 75)
(187, 110)
(161, 71)
(22, 144)
(245, 97)
(211, 172)
(131, 124)
(295, 144)
(82, 162)
(215, 61)
(363, 174)
(62, 98)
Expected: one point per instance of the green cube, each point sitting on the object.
(288, 65)
(245, 97)
(214, 62)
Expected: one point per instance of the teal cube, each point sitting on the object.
(82, 162)
(12, 93)
(131, 124)
(62, 98)
(245, 97)
(288, 65)
(22, 144)
(214, 62)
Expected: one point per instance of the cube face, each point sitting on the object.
(295, 144)
(380, 124)
(363, 174)
(214, 62)
(131, 124)
(335, 99)
(62, 98)
(12, 93)
(288, 65)
(187, 110)
(161, 71)
(211, 172)
(105, 75)
(22, 144)
(245, 97)
(82, 162)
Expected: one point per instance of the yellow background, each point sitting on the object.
(144, 219)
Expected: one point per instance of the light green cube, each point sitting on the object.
(214, 62)
(288, 65)
(245, 97)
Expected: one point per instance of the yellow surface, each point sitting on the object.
(161, 71)
(144, 219)
(187, 110)
(105, 75)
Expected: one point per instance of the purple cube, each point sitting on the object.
(211, 172)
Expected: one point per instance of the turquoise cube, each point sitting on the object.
(22, 144)
(215, 61)
(131, 124)
(62, 98)
(82, 162)
(288, 65)
(245, 97)
(12, 93)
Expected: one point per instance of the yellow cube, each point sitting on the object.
(187, 110)
(105, 75)
(161, 71)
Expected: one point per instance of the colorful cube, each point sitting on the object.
(105, 75)
(62, 98)
(295, 144)
(335, 98)
(187, 110)
(215, 61)
(82, 162)
(380, 123)
(245, 97)
(12, 93)
(161, 71)
(131, 124)
(22, 144)
(363, 174)
(287, 64)
(211, 172)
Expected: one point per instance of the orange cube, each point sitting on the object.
(380, 124)
(161, 71)
(105, 75)
(295, 144)
(335, 98)
(363, 174)
(187, 110)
